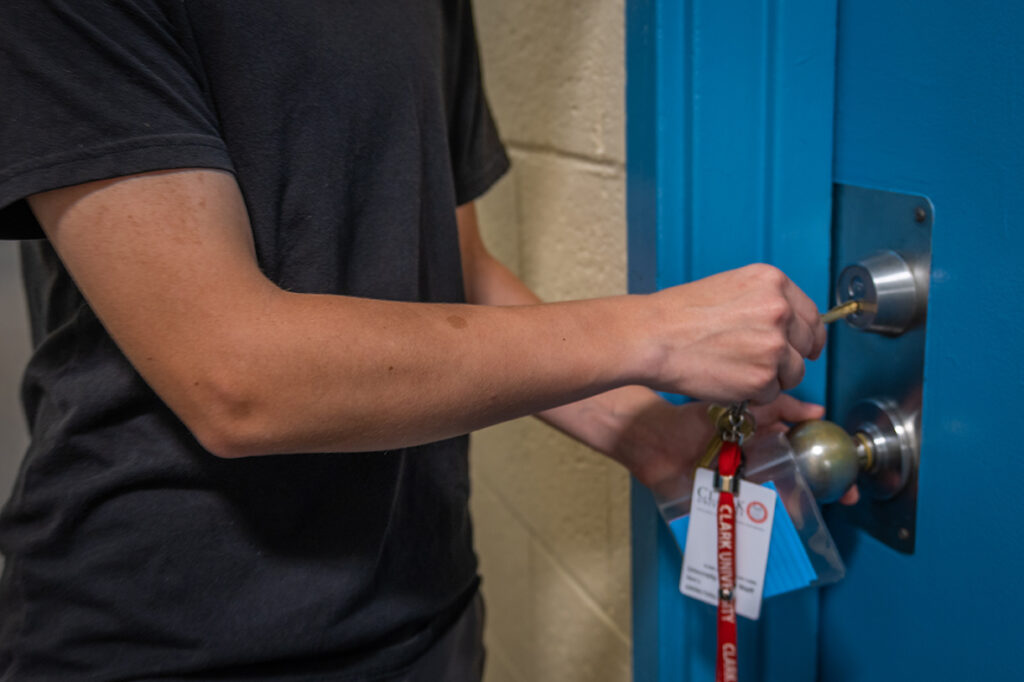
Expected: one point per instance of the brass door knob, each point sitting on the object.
(878, 455)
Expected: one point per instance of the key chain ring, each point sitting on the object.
(736, 416)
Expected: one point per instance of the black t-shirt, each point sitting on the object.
(353, 129)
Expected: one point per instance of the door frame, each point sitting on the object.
(729, 135)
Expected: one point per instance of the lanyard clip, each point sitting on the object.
(727, 484)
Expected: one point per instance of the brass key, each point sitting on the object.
(841, 311)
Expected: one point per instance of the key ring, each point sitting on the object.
(737, 413)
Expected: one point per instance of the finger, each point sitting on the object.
(805, 309)
(820, 338)
(801, 336)
(850, 497)
(792, 410)
(768, 393)
(801, 302)
(785, 410)
(791, 369)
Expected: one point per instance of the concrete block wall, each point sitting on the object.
(551, 516)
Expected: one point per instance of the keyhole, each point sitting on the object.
(856, 288)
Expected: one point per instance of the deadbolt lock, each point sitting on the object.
(892, 294)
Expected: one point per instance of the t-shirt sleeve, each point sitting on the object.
(478, 156)
(95, 89)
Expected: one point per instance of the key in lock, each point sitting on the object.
(892, 295)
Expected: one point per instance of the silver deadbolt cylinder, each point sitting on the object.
(893, 296)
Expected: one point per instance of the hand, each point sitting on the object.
(663, 441)
(738, 335)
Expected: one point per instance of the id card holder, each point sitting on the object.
(801, 550)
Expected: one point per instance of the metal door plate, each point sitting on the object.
(865, 365)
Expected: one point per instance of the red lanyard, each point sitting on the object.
(726, 669)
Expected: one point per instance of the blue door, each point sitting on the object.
(742, 118)
(930, 100)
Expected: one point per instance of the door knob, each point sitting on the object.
(878, 451)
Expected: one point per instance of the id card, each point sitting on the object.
(755, 514)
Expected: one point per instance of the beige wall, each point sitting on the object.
(552, 517)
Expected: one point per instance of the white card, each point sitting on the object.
(755, 513)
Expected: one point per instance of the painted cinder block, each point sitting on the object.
(498, 215)
(575, 641)
(542, 624)
(571, 503)
(499, 669)
(503, 545)
(555, 73)
(572, 226)
(551, 516)
(566, 497)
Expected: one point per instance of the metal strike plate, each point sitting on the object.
(881, 355)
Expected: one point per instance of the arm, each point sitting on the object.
(167, 262)
(655, 440)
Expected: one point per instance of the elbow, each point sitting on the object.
(223, 415)
(223, 440)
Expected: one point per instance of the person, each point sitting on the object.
(264, 320)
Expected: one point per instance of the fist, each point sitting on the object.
(738, 335)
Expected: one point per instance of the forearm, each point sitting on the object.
(328, 373)
(607, 422)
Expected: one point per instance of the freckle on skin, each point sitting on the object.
(391, 368)
(457, 322)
